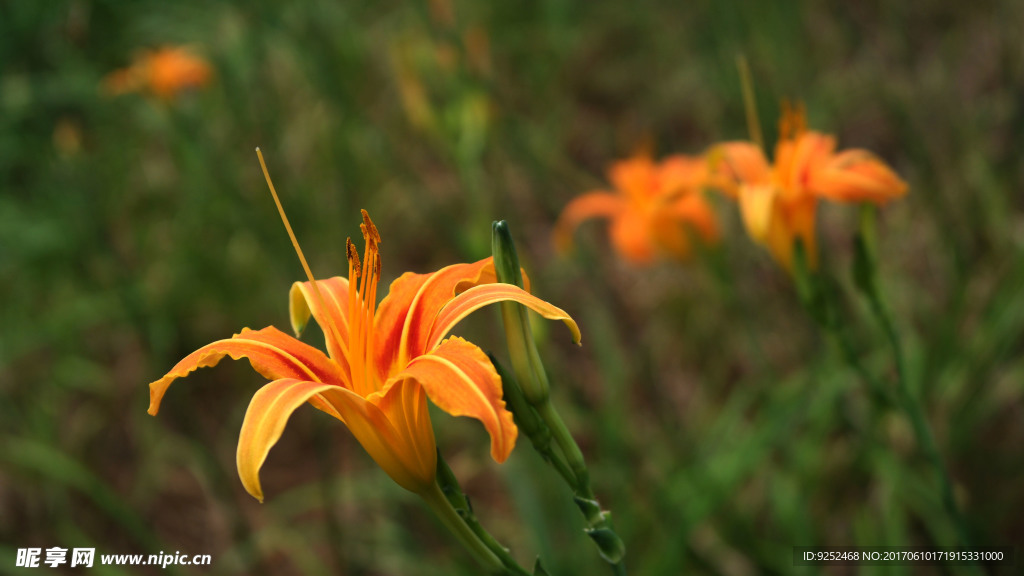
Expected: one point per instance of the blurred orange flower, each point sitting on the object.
(164, 72)
(383, 363)
(652, 212)
(778, 202)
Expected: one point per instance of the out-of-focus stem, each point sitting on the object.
(749, 101)
(866, 279)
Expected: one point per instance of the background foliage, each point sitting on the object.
(721, 428)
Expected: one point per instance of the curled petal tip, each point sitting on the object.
(156, 394)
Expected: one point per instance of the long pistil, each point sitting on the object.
(305, 266)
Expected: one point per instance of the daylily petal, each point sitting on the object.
(302, 301)
(680, 173)
(582, 208)
(793, 221)
(736, 163)
(757, 208)
(480, 296)
(858, 176)
(272, 353)
(404, 316)
(409, 455)
(695, 210)
(460, 379)
(630, 234)
(796, 162)
(273, 404)
(671, 235)
(674, 226)
(635, 177)
(801, 218)
(405, 404)
(264, 422)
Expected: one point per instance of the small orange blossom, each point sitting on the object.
(778, 202)
(165, 72)
(654, 208)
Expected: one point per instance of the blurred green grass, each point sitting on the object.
(721, 428)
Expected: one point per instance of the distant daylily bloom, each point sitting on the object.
(164, 72)
(654, 210)
(383, 363)
(778, 201)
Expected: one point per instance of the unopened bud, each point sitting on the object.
(522, 350)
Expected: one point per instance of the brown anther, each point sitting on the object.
(785, 121)
(353, 258)
(799, 119)
(369, 230)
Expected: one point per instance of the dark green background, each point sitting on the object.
(722, 429)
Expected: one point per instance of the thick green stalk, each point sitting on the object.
(571, 451)
(451, 519)
(530, 423)
(459, 503)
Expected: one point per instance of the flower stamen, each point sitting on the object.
(362, 291)
(793, 121)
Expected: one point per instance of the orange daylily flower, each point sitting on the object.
(778, 202)
(653, 210)
(382, 364)
(165, 72)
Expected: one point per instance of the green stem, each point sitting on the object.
(451, 519)
(866, 278)
(881, 395)
(503, 554)
(749, 101)
(599, 525)
(457, 500)
(530, 423)
(571, 450)
(917, 417)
